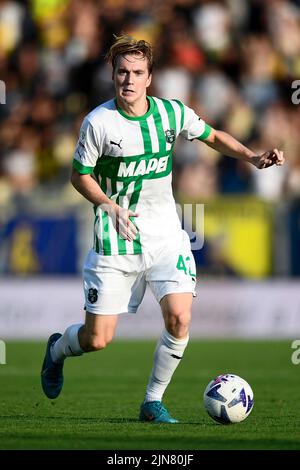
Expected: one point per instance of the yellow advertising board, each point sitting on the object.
(238, 233)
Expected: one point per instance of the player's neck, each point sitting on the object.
(136, 109)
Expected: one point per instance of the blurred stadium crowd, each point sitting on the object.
(233, 61)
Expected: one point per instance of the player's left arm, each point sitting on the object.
(228, 145)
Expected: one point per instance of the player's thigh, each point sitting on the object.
(112, 292)
(174, 273)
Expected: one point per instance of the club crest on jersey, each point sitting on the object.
(170, 136)
(92, 295)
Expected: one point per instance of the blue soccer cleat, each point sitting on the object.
(155, 412)
(52, 376)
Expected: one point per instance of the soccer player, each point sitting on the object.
(123, 166)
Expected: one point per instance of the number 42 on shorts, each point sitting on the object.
(184, 264)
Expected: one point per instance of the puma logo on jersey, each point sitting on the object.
(143, 167)
(116, 143)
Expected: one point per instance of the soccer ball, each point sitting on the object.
(228, 399)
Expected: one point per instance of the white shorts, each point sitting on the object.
(117, 283)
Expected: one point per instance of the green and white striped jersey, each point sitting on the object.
(131, 158)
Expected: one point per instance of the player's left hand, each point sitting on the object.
(268, 158)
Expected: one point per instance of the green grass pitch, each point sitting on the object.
(99, 404)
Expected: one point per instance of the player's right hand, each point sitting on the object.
(122, 222)
(125, 226)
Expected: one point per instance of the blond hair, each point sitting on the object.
(125, 44)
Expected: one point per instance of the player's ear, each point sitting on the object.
(149, 79)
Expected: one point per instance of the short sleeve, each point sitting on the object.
(88, 148)
(193, 126)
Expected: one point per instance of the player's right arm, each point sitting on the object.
(85, 159)
(90, 189)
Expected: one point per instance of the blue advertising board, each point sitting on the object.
(39, 245)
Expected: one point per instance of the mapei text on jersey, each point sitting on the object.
(143, 167)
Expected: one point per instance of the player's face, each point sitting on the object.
(131, 78)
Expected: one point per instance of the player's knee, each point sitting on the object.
(177, 323)
(99, 342)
